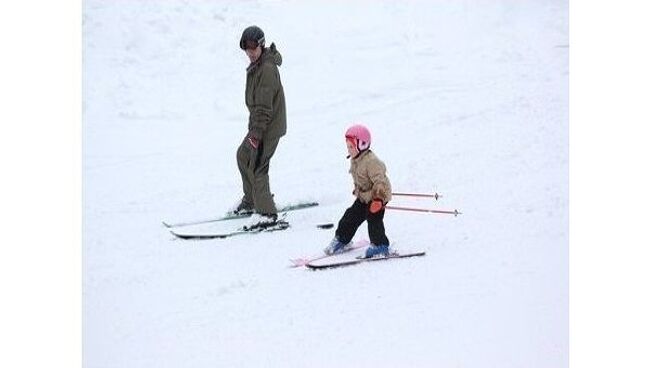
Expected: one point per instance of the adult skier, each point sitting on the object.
(267, 123)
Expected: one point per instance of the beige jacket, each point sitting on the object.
(370, 180)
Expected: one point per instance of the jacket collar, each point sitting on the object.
(257, 63)
(360, 155)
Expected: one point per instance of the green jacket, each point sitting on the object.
(265, 96)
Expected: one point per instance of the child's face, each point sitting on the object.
(352, 149)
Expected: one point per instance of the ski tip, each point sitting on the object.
(180, 236)
(298, 262)
(325, 226)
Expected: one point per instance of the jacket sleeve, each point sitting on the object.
(380, 184)
(262, 111)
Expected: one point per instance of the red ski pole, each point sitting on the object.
(454, 212)
(434, 195)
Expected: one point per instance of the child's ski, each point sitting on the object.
(336, 264)
(300, 262)
(232, 216)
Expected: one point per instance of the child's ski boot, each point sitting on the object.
(336, 246)
(377, 251)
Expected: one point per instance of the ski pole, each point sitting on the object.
(434, 195)
(454, 212)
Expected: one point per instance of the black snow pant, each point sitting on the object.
(355, 216)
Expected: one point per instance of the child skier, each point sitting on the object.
(372, 189)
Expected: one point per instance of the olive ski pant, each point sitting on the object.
(254, 169)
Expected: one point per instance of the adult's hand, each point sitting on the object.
(254, 142)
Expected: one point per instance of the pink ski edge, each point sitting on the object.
(302, 262)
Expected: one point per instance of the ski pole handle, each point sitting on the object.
(454, 212)
(423, 195)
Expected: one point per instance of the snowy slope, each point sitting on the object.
(469, 99)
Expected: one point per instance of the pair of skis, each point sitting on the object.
(362, 260)
(318, 263)
(281, 224)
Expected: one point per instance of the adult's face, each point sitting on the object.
(253, 52)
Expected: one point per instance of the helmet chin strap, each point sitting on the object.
(357, 146)
(355, 156)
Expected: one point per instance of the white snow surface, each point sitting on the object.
(465, 98)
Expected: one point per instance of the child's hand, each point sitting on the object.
(376, 205)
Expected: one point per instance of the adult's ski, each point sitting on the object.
(280, 225)
(232, 216)
(337, 264)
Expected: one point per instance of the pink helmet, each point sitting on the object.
(360, 136)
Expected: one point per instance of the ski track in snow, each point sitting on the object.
(466, 99)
